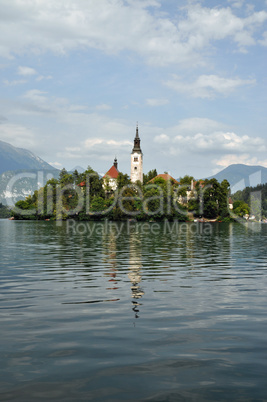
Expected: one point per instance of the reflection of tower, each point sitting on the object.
(110, 250)
(135, 273)
(136, 160)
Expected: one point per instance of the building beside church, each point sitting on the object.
(110, 178)
(165, 177)
(136, 160)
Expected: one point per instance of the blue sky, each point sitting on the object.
(76, 76)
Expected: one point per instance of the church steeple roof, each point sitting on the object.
(136, 147)
(137, 134)
(115, 163)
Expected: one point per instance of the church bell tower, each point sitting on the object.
(136, 160)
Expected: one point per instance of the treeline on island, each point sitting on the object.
(251, 200)
(4, 211)
(87, 196)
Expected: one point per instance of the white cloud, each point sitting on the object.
(14, 82)
(17, 135)
(96, 148)
(92, 142)
(114, 26)
(204, 25)
(73, 149)
(119, 143)
(207, 86)
(245, 159)
(262, 162)
(77, 108)
(236, 3)
(162, 139)
(36, 95)
(195, 125)
(264, 40)
(44, 77)
(38, 102)
(144, 3)
(198, 139)
(56, 165)
(221, 142)
(104, 106)
(27, 71)
(156, 102)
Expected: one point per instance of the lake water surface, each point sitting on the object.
(133, 312)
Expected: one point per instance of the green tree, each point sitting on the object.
(153, 202)
(240, 208)
(223, 199)
(75, 176)
(94, 182)
(62, 173)
(149, 176)
(186, 180)
(255, 207)
(98, 207)
(24, 209)
(4, 211)
(123, 180)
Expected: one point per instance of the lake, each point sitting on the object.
(133, 311)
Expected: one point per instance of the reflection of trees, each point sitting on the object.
(186, 247)
(211, 247)
(135, 273)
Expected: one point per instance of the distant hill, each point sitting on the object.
(13, 158)
(21, 173)
(241, 176)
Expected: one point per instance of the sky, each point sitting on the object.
(77, 75)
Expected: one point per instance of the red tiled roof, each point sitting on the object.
(112, 173)
(164, 176)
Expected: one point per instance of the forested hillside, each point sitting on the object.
(255, 197)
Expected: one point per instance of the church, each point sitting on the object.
(136, 160)
(110, 178)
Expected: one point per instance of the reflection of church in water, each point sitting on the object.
(135, 264)
(135, 271)
(110, 243)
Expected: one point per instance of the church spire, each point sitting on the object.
(137, 135)
(115, 164)
(137, 147)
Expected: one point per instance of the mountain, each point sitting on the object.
(241, 176)
(21, 173)
(12, 158)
